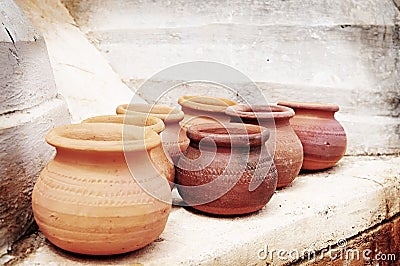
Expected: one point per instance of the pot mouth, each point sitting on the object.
(106, 137)
(140, 120)
(205, 103)
(229, 134)
(310, 106)
(164, 112)
(271, 111)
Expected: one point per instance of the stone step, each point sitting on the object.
(23, 154)
(317, 210)
(24, 59)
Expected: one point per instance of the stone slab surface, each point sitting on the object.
(23, 154)
(317, 210)
(83, 76)
(26, 77)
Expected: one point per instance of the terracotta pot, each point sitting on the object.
(86, 200)
(323, 138)
(174, 138)
(218, 180)
(140, 120)
(204, 109)
(283, 144)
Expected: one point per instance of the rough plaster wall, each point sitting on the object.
(343, 52)
(29, 108)
(22, 81)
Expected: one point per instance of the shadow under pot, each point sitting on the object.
(323, 138)
(146, 122)
(283, 142)
(88, 201)
(226, 170)
(173, 137)
(204, 109)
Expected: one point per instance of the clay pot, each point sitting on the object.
(230, 173)
(204, 109)
(174, 138)
(323, 138)
(86, 199)
(284, 143)
(140, 120)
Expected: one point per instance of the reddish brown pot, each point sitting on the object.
(323, 138)
(204, 109)
(86, 199)
(217, 181)
(283, 143)
(174, 137)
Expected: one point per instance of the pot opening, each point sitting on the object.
(229, 134)
(102, 137)
(205, 103)
(310, 106)
(260, 111)
(164, 112)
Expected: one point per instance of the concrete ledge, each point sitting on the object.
(317, 210)
(23, 154)
(24, 60)
(82, 75)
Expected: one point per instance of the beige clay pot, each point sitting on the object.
(86, 199)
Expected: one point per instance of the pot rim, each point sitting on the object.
(310, 106)
(140, 120)
(102, 137)
(229, 134)
(199, 102)
(166, 113)
(270, 111)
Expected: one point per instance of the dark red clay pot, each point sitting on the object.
(323, 138)
(283, 142)
(220, 176)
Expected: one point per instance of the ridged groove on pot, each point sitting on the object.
(283, 144)
(86, 200)
(231, 169)
(173, 137)
(140, 120)
(204, 109)
(323, 138)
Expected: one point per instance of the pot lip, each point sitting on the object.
(140, 120)
(166, 113)
(310, 106)
(102, 137)
(199, 102)
(240, 134)
(256, 111)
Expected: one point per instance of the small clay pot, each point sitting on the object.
(140, 120)
(323, 138)
(86, 199)
(283, 144)
(204, 109)
(174, 137)
(226, 170)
